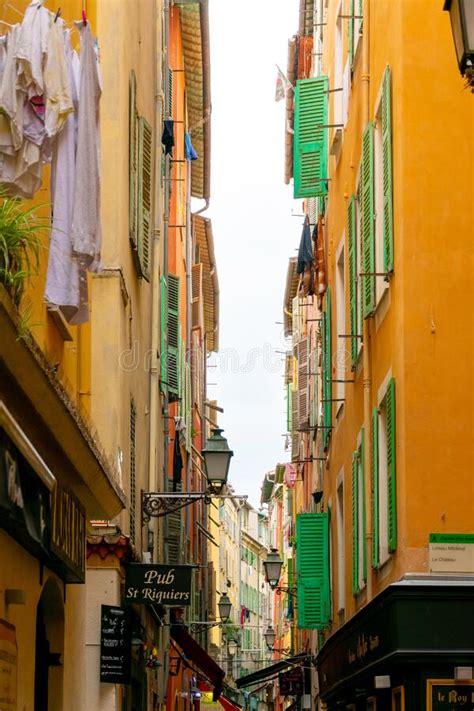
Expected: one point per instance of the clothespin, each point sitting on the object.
(84, 18)
(58, 14)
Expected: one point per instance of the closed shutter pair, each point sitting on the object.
(170, 351)
(368, 200)
(391, 474)
(140, 183)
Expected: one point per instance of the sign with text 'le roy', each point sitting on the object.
(159, 584)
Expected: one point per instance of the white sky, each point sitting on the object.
(254, 231)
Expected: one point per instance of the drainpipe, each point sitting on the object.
(155, 274)
(366, 359)
(189, 291)
(163, 10)
(166, 212)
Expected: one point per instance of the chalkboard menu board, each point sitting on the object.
(291, 682)
(115, 645)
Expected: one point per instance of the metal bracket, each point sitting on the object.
(157, 504)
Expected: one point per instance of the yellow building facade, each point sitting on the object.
(378, 139)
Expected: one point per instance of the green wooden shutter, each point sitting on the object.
(312, 532)
(173, 338)
(310, 140)
(132, 160)
(291, 583)
(355, 523)
(350, 29)
(375, 475)
(163, 334)
(368, 225)
(362, 503)
(144, 196)
(387, 171)
(391, 467)
(352, 238)
(327, 370)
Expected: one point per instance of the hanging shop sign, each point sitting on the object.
(115, 645)
(51, 526)
(8, 666)
(449, 694)
(452, 552)
(291, 682)
(24, 500)
(68, 534)
(159, 584)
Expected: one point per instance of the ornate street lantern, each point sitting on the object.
(217, 457)
(269, 637)
(461, 13)
(225, 607)
(273, 566)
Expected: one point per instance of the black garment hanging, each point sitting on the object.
(167, 138)
(305, 252)
(177, 462)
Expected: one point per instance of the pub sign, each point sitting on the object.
(158, 584)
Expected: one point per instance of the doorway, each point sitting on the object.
(49, 649)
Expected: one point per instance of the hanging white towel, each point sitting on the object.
(66, 281)
(32, 47)
(86, 228)
(56, 82)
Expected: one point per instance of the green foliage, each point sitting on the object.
(20, 243)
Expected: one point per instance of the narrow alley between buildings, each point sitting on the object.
(236, 344)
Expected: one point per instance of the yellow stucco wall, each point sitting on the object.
(422, 331)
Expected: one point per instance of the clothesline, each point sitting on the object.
(56, 15)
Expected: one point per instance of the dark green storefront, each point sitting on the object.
(409, 639)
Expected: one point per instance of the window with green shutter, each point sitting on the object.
(384, 477)
(355, 523)
(311, 137)
(173, 329)
(353, 276)
(327, 370)
(368, 225)
(312, 564)
(359, 557)
(387, 171)
(391, 467)
(163, 334)
(140, 183)
(375, 485)
(145, 160)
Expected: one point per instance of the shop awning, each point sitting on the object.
(270, 671)
(224, 700)
(228, 705)
(198, 656)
